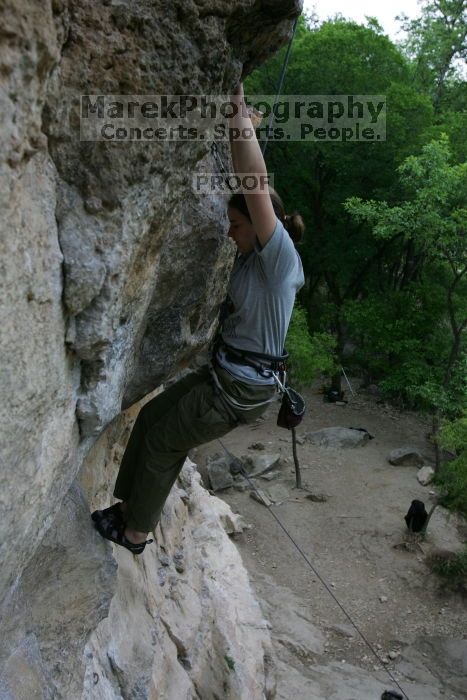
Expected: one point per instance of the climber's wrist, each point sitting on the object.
(238, 94)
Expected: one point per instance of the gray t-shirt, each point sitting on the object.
(261, 297)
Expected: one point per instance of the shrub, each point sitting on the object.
(452, 566)
(453, 475)
(309, 355)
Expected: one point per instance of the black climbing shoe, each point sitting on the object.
(114, 532)
(111, 515)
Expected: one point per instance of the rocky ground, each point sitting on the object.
(355, 537)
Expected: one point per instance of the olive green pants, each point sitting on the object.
(189, 413)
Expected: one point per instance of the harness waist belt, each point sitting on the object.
(254, 359)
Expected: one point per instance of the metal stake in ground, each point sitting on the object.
(298, 476)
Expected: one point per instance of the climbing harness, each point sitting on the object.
(265, 365)
(231, 400)
(292, 407)
(240, 469)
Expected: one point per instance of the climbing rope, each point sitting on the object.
(279, 85)
(240, 469)
(215, 150)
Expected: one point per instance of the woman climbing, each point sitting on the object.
(210, 402)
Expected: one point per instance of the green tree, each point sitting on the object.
(437, 43)
(398, 297)
(341, 57)
(432, 222)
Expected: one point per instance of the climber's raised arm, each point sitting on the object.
(247, 158)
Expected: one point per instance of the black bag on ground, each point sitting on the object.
(292, 409)
(416, 516)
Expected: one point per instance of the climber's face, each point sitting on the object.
(241, 231)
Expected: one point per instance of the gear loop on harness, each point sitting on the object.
(231, 400)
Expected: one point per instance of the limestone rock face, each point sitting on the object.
(196, 630)
(180, 621)
(64, 592)
(112, 274)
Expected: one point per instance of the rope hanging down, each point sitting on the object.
(240, 469)
(279, 85)
(238, 464)
(215, 150)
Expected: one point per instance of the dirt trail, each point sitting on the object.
(417, 626)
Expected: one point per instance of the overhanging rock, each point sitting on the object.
(113, 268)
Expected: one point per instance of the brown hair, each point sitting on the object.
(293, 223)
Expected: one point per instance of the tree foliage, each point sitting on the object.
(431, 222)
(385, 253)
(437, 43)
(309, 355)
(453, 475)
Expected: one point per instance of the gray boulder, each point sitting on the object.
(406, 457)
(256, 446)
(338, 437)
(269, 476)
(260, 464)
(241, 484)
(425, 475)
(219, 474)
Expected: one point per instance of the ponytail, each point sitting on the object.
(295, 226)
